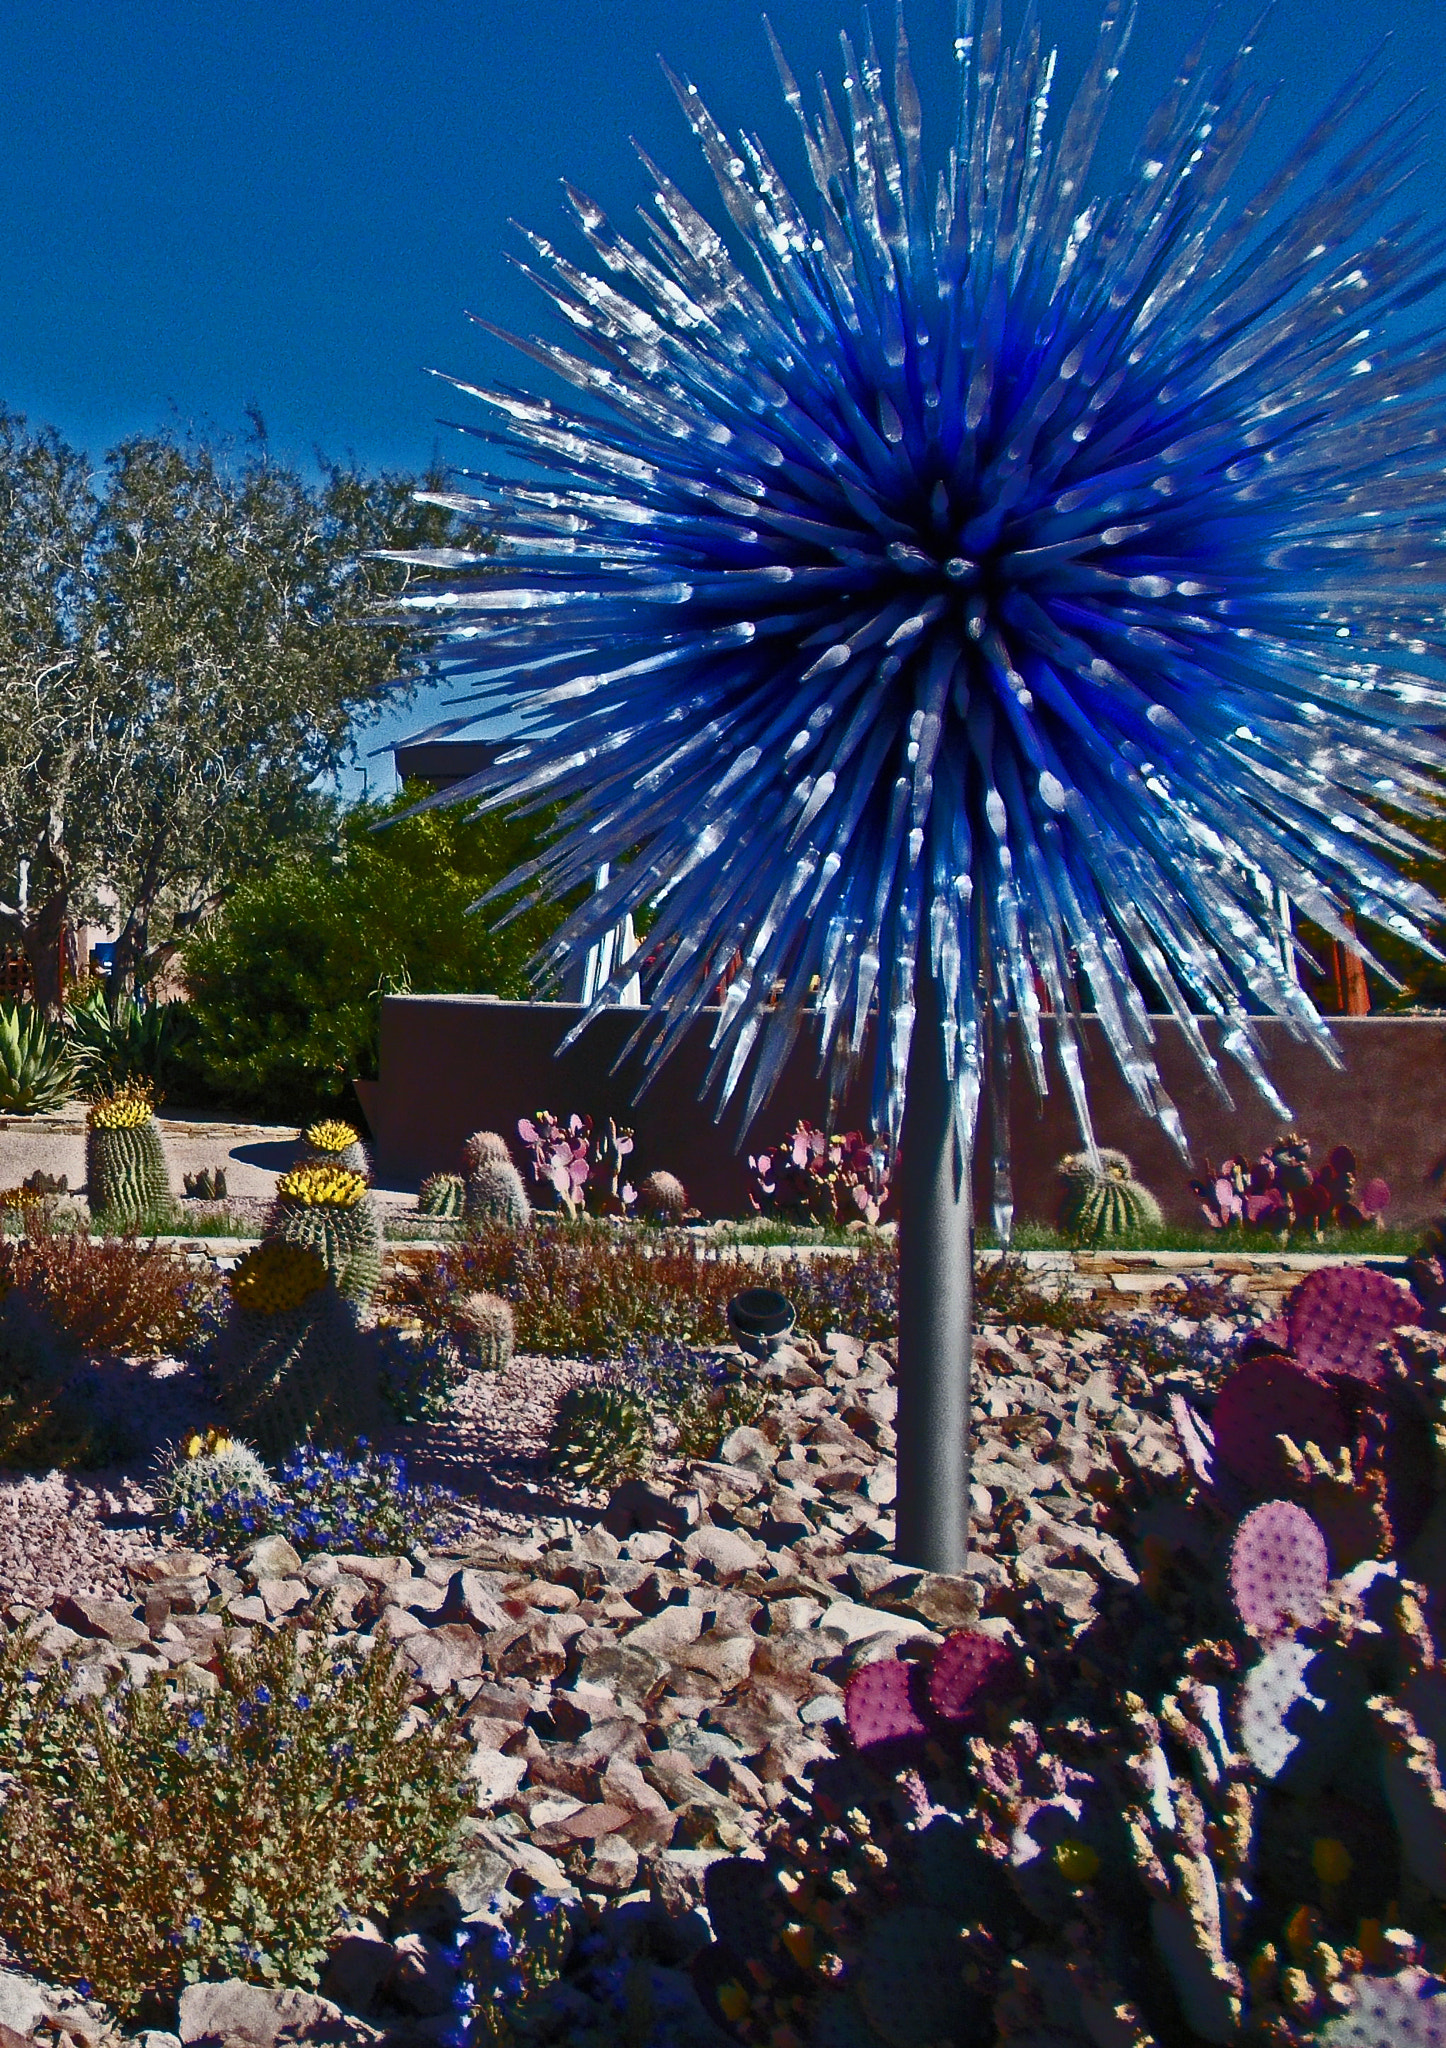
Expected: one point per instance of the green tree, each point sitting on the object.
(285, 985)
(190, 641)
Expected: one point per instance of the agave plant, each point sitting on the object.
(968, 592)
(116, 1042)
(37, 1067)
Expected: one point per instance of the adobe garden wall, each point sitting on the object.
(455, 1064)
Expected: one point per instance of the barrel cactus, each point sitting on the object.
(484, 1145)
(1102, 1201)
(602, 1433)
(663, 1198)
(125, 1166)
(481, 1326)
(330, 1142)
(441, 1195)
(292, 1363)
(495, 1195)
(329, 1209)
(195, 1475)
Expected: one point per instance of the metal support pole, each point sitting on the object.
(936, 1299)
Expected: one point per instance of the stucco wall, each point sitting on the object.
(454, 1064)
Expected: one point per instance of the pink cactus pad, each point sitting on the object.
(879, 1706)
(1279, 1570)
(1339, 1317)
(1265, 1397)
(968, 1669)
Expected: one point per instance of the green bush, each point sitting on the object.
(154, 1839)
(127, 1041)
(285, 988)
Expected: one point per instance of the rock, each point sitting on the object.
(612, 1866)
(796, 1611)
(247, 2016)
(439, 1657)
(390, 1572)
(587, 1822)
(247, 1609)
(400, 1622)
(667, 1631)
(871, 1576)
(25, 2002)
(270, 1557)
(856, 1624)
(357, 1968)
(637, 1505)
(719, 1655)
(754, 1718)
(422, 1980)
(539, 1650)
(725, 1552)
(748, 1448)
(111, 1621)
(1074, 1591)
(948, 1600)
(818, 1712)
(496, 1776)
(282, 1596)
(632, 1673)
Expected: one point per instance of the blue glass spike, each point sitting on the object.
(967, 568)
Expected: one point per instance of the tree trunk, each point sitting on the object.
(44, 940)
(936, 1291)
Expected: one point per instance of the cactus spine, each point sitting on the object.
(1102, 1199)
(125, 1166)
(329, 1209)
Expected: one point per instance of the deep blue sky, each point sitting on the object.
(292, 207)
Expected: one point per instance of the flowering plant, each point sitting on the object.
(814, 1178)
(324, 1500)
(562, 1159)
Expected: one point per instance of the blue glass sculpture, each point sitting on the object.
(964, 592)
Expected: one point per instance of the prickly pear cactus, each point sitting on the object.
(292, 1363)
(1340, 1317)
(495, 1195)
(1101, 1199)
(330, 1142)
(328, 1209)
(441, 1195)
(601, 1434)
(1279, 1569)
(662, 1198)
(125, 1165)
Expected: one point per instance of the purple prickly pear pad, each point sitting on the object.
(1264, 1398)
(968, 1669)
(1339, 1318)
(879, 1707)
(1279, 1570)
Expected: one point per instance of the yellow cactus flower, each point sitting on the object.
(330, 1134)
(126, 1109)
(321, 1187)
(275, 1278)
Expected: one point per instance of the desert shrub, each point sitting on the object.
(699, 1400)
(45, 1422)
(323, 1500)
(121, 1295)
(578, 1291)
(37, 1066)
(153, 1839)
(285, 987)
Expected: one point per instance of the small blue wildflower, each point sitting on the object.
(303, 1700)
(83, 1986)
(196, 1717)
(183, 1748)
(263, 1695)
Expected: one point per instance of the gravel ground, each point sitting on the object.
(77, 1533)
